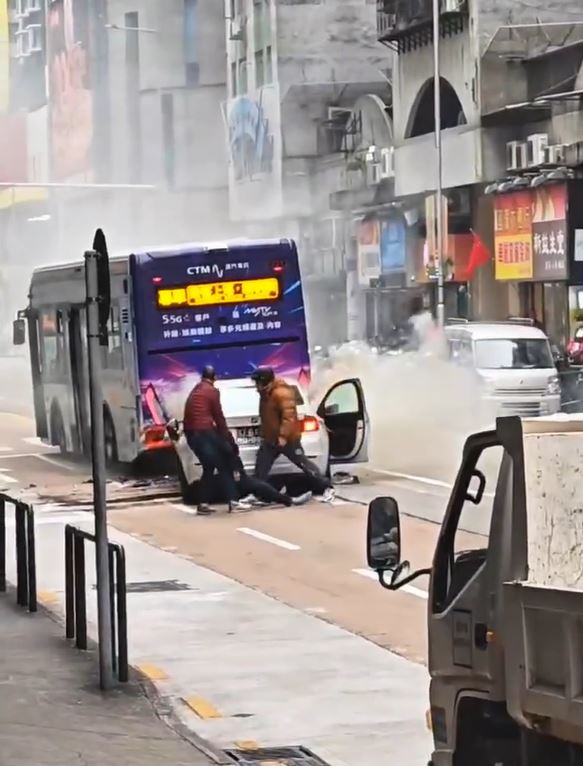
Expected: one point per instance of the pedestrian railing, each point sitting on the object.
(76, 597)
(24, 538)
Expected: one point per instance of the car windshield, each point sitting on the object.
(513, 354)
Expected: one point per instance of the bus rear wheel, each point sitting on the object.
(58, 438)
(110, 440)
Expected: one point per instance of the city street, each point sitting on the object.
(253, 614)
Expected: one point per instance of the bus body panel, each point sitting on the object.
(235, 336)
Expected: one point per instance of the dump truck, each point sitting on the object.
(505, 619)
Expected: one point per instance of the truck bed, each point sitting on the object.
(543, 635)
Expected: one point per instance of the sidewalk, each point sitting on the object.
(239, 667)
(52, 713)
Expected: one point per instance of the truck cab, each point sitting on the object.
(505, 617)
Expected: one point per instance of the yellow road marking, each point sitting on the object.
(153, 672)
(247, 744)
(48, 597)
(203, 708)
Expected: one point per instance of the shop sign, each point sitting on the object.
(369, 251)
(549, 232)
(513, 236)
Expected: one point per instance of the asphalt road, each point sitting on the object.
(312, 558)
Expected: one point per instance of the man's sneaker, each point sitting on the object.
(240, 505)
(302, 499)
(204, 510)
(328, 496)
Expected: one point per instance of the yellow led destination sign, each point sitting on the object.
(219, 293)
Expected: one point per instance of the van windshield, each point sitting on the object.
(513, 354)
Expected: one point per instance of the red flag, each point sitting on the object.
(479, 256)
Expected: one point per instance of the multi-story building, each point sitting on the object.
(483, 64)
(294, 73)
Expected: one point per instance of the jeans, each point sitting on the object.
(213, 454)
(294, 452)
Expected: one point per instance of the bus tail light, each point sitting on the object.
(310, 424)
(155, 437)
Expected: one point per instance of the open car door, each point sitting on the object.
(343, 410)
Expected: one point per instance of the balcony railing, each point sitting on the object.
(409, 22)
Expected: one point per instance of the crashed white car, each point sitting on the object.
(335, 431)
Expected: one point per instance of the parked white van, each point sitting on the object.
(513, 360)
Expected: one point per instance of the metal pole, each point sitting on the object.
(99, 474)
(438, 190)
(2, 545)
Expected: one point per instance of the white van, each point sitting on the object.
(514, 361)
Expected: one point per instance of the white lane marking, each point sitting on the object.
(412, 477)
(56, 463)
(6, 449)
(420, 480)
(182, 508)
(54, 518)
(4, 478)
(36, 442)
(269, 539)
(411, 589)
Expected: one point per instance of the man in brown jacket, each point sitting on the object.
(281, 432)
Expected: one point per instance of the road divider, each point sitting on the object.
(269, 539)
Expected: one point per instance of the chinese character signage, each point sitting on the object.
(549, 232)
(513, 236)
(71, 100)
(530, 231)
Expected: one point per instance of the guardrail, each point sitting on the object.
(76, 597)
(24, 538)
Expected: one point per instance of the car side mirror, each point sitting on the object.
(475, 495)
(19, 332)
(383, 534)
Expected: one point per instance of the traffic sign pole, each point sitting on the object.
(94, 337)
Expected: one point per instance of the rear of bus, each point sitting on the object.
(237, 307)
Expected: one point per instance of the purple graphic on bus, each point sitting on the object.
(237, 307)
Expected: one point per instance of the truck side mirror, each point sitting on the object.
(19, 332)
(383, 534)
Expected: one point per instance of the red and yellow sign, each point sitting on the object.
(513, 236)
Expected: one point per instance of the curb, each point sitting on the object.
(162, 706)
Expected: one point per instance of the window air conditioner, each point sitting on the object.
(387, 166)
(373, 174)
(451, 6)
(33, 5)
(536, 149)
(516, 155)
(555, 155)
(35, 44)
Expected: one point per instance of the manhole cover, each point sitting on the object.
(155, 586)
(282, 756)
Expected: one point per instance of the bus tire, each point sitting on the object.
(109, 439)
(58, 437)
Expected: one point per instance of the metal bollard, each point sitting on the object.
(2, 545)
(31, 558)
(80, 593)
(122, 617)
(21, 557)
(69, 584)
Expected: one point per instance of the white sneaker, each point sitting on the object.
(328, 496)
(302, 499)
(240, 505)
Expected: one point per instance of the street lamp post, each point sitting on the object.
(438, 182)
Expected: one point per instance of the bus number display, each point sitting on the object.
(219, 293)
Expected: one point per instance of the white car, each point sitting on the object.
(335, 431)
(514, 362)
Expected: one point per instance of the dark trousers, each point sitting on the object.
(213, 454)
(294, 452)
(263, 490)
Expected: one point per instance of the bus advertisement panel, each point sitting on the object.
(238, 307)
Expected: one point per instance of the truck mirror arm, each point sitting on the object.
(395, 583)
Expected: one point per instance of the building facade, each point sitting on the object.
(294, 74)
